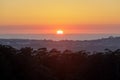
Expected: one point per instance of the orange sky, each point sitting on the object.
(47, 16)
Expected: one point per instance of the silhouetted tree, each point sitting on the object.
(41, 64)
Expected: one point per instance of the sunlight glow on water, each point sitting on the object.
(57, 37)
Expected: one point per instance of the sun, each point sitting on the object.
(60, 32)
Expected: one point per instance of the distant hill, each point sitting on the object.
(89, 45)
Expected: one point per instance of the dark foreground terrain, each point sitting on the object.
(41, 64)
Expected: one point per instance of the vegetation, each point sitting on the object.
(41, 64)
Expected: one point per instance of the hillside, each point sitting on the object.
(89, 45)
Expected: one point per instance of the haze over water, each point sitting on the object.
(57, 37)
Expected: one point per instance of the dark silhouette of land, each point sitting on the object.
(41, 64)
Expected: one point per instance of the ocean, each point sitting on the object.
(57, 37)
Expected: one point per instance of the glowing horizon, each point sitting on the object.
(47, 16)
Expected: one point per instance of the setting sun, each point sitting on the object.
(60, 32)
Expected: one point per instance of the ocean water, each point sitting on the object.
(57, 37)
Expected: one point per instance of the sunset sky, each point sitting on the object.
(47, 16)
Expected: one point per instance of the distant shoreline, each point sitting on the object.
(56, 37)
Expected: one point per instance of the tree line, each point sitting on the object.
(41, 64)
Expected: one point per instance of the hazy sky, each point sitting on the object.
(46, 16)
